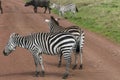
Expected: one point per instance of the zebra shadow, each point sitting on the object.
(32, 73)
(55, 64)
(54, 74)
(47, 74)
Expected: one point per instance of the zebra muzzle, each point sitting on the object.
(5, 54)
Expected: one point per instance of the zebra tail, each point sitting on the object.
(77, 47)
(77, 9)
(80, 42)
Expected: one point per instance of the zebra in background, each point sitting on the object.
(44, 43)
(70, 7)
(1, 7)
(75, 30)
(55, 6)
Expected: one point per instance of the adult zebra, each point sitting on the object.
(1, 7)
(47, 43)
(70, 7)
(55, 6)
(75, 30)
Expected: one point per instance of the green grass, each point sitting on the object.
(26, 0)
(100, 16)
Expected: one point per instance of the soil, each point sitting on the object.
(101, 57)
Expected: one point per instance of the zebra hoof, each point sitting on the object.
(74, 67)
(42, 73)
(36, 74)
(81, 66)
(65, 76)
(59, 65)
(35, 11)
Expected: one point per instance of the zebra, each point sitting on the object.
(1, 7)
(70, 7)
(44, 43)
(75, 30)
(55, 6)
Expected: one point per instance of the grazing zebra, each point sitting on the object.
(75, 30)
(47, 43)
(70, 7)
(55, 6)
(1, 7)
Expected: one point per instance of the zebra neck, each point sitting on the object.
(54, 27)
(21, 42)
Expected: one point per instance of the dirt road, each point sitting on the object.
(101, 57)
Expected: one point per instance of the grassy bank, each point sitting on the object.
(100, 16)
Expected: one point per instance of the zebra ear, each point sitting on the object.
(51, 17)
(55, 21)
(13, 34)
(46, 20)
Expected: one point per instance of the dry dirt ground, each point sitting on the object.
(101, 57)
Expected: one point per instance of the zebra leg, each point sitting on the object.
(35, 9)
(1, 10)
(49, 10)
(60, 13)
(67, 57)
(73, 14)
(60, 60)
(76, 61)
(45, 9)
(81, 64)
(37, 65)
(42, 66)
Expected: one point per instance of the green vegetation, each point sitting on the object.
(100, 16)
(26, 0)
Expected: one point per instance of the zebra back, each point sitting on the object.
(48, 43)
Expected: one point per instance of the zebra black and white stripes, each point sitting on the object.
(70, 7)
(75, 30)
(44, 43)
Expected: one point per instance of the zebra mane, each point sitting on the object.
(18, 40)
(53, 19)
(13, 35)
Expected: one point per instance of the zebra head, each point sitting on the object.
(53, 20)
(55, 6)
(29, 3)
(10, 45)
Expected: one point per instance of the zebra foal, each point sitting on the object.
(43, 43)
(74, 30)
